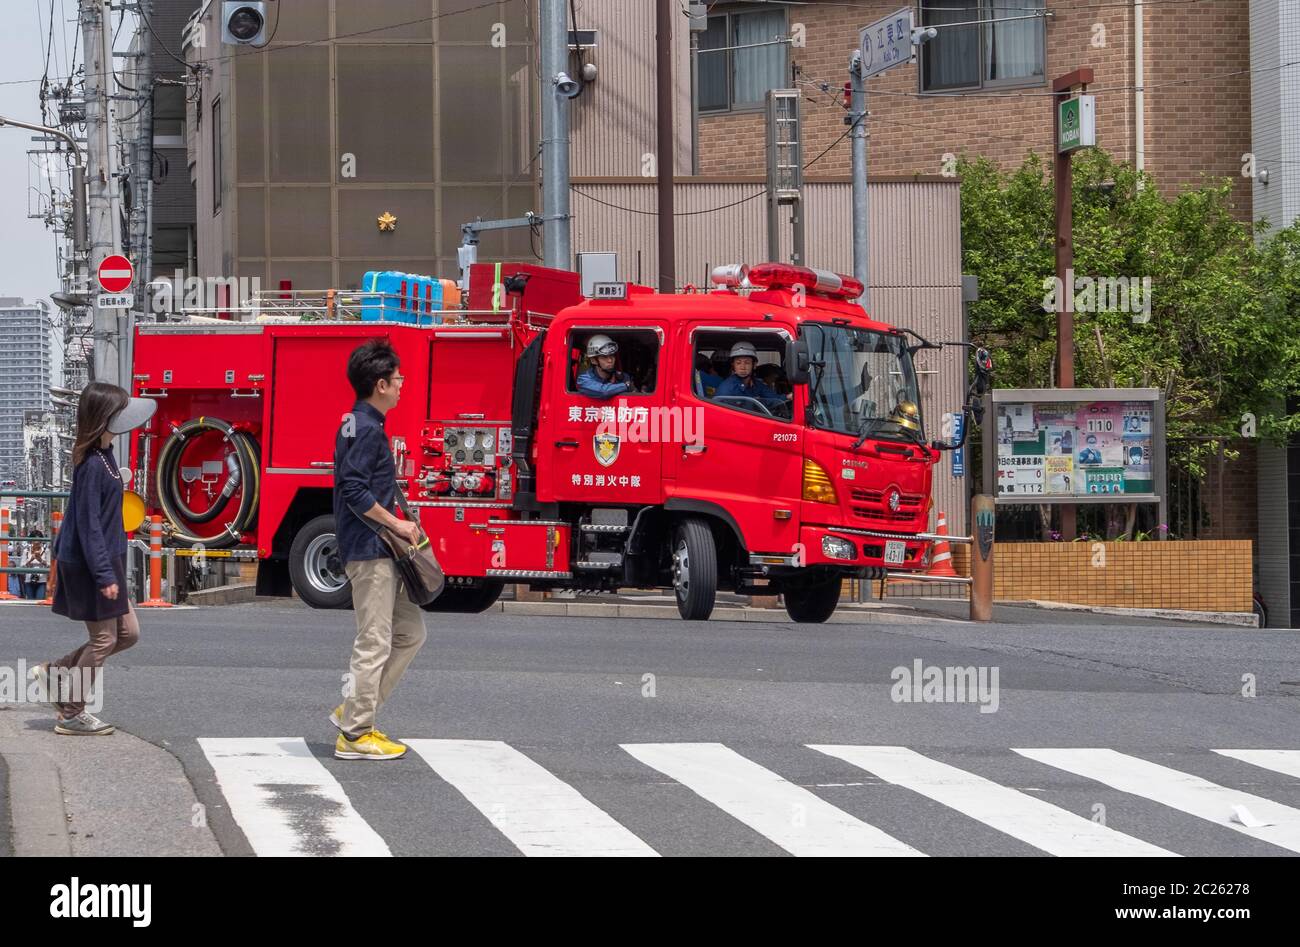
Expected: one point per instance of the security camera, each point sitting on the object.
(923, 34)
(567, 87)
(243, 23)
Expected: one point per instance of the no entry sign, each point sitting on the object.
(115, 274)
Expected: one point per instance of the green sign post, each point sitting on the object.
(1076, 125)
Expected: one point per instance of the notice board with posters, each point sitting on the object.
(1075, 445)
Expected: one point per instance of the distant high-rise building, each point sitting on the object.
(24, 377)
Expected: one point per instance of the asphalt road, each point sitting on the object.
(541, 735)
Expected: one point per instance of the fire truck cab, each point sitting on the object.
(679, 473)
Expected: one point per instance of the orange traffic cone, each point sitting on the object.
(6, 546)
(941, 552)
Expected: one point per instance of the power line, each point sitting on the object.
(680, 213)
(308, 42)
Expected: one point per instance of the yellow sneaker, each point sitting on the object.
(336, 718)
(368, 746)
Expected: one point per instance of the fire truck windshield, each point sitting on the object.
(863, 383)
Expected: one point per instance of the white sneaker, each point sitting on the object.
(40, 673)
(83, 725)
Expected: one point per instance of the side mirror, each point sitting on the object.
(797, 362)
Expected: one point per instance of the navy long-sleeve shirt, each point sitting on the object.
(364, 475)
(593, 386)
(92, 535)
(733, 385)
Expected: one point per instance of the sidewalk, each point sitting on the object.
(95, 796)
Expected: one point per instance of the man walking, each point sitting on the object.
(390, 628)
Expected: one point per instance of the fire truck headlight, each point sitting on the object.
(817, 485)
(835, 548)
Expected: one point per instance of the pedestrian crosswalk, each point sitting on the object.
(290, 798)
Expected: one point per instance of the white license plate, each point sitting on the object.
(895, 552)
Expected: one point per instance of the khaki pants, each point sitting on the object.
(107, 638)
(390, 630)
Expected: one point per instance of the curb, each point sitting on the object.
(847, 615)
(37, 819)
(236, 593)
(1240, 619)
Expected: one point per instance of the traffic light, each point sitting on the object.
(243, 22)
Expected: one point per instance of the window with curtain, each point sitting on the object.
(740, 58)
(982, 43)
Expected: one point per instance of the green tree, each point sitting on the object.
(1222, 340)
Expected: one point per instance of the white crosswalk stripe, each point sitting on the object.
(285, 801)
(540, 813)
(1286, 762)
(789, 815)
(1177, 790)
(1040, 824)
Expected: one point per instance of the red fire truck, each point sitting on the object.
(519, 477)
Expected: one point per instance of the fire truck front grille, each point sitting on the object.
(878, 511)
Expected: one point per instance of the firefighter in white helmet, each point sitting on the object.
(742, 383)
(601, 380)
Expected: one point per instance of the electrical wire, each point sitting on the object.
(680, 213)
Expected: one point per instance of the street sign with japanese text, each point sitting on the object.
(886, 43)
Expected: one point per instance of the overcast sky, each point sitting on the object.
(27, 265)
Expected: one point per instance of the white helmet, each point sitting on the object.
(601, 345)
(744, 348)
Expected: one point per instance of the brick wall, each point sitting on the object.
(1209, 575)
(1206, 575)
(1193, 129)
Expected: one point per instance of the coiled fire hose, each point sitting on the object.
(243, 468)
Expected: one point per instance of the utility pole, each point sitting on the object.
(857, 119)
(664, 160)
(557, 90)
(1063, 179)
(103, 192)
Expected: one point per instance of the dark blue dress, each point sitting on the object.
(91, 546)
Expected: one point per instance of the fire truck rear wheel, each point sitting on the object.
(695, 569)
(314, 566)
(812, 601)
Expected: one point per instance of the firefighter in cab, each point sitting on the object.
(601, 380)
(742, 383)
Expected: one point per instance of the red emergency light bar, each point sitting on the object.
(823, 282)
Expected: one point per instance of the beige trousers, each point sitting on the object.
(390, 631)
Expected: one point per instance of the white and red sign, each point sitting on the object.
(115, 274)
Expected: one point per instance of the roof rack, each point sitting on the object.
(338, 306)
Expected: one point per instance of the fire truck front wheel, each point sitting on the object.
(695, 569)
(314, 566)
(813, 600)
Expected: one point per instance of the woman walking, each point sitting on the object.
(90, 555)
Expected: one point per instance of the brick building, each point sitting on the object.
(982, 87)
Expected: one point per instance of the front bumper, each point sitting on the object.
(867, 546)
